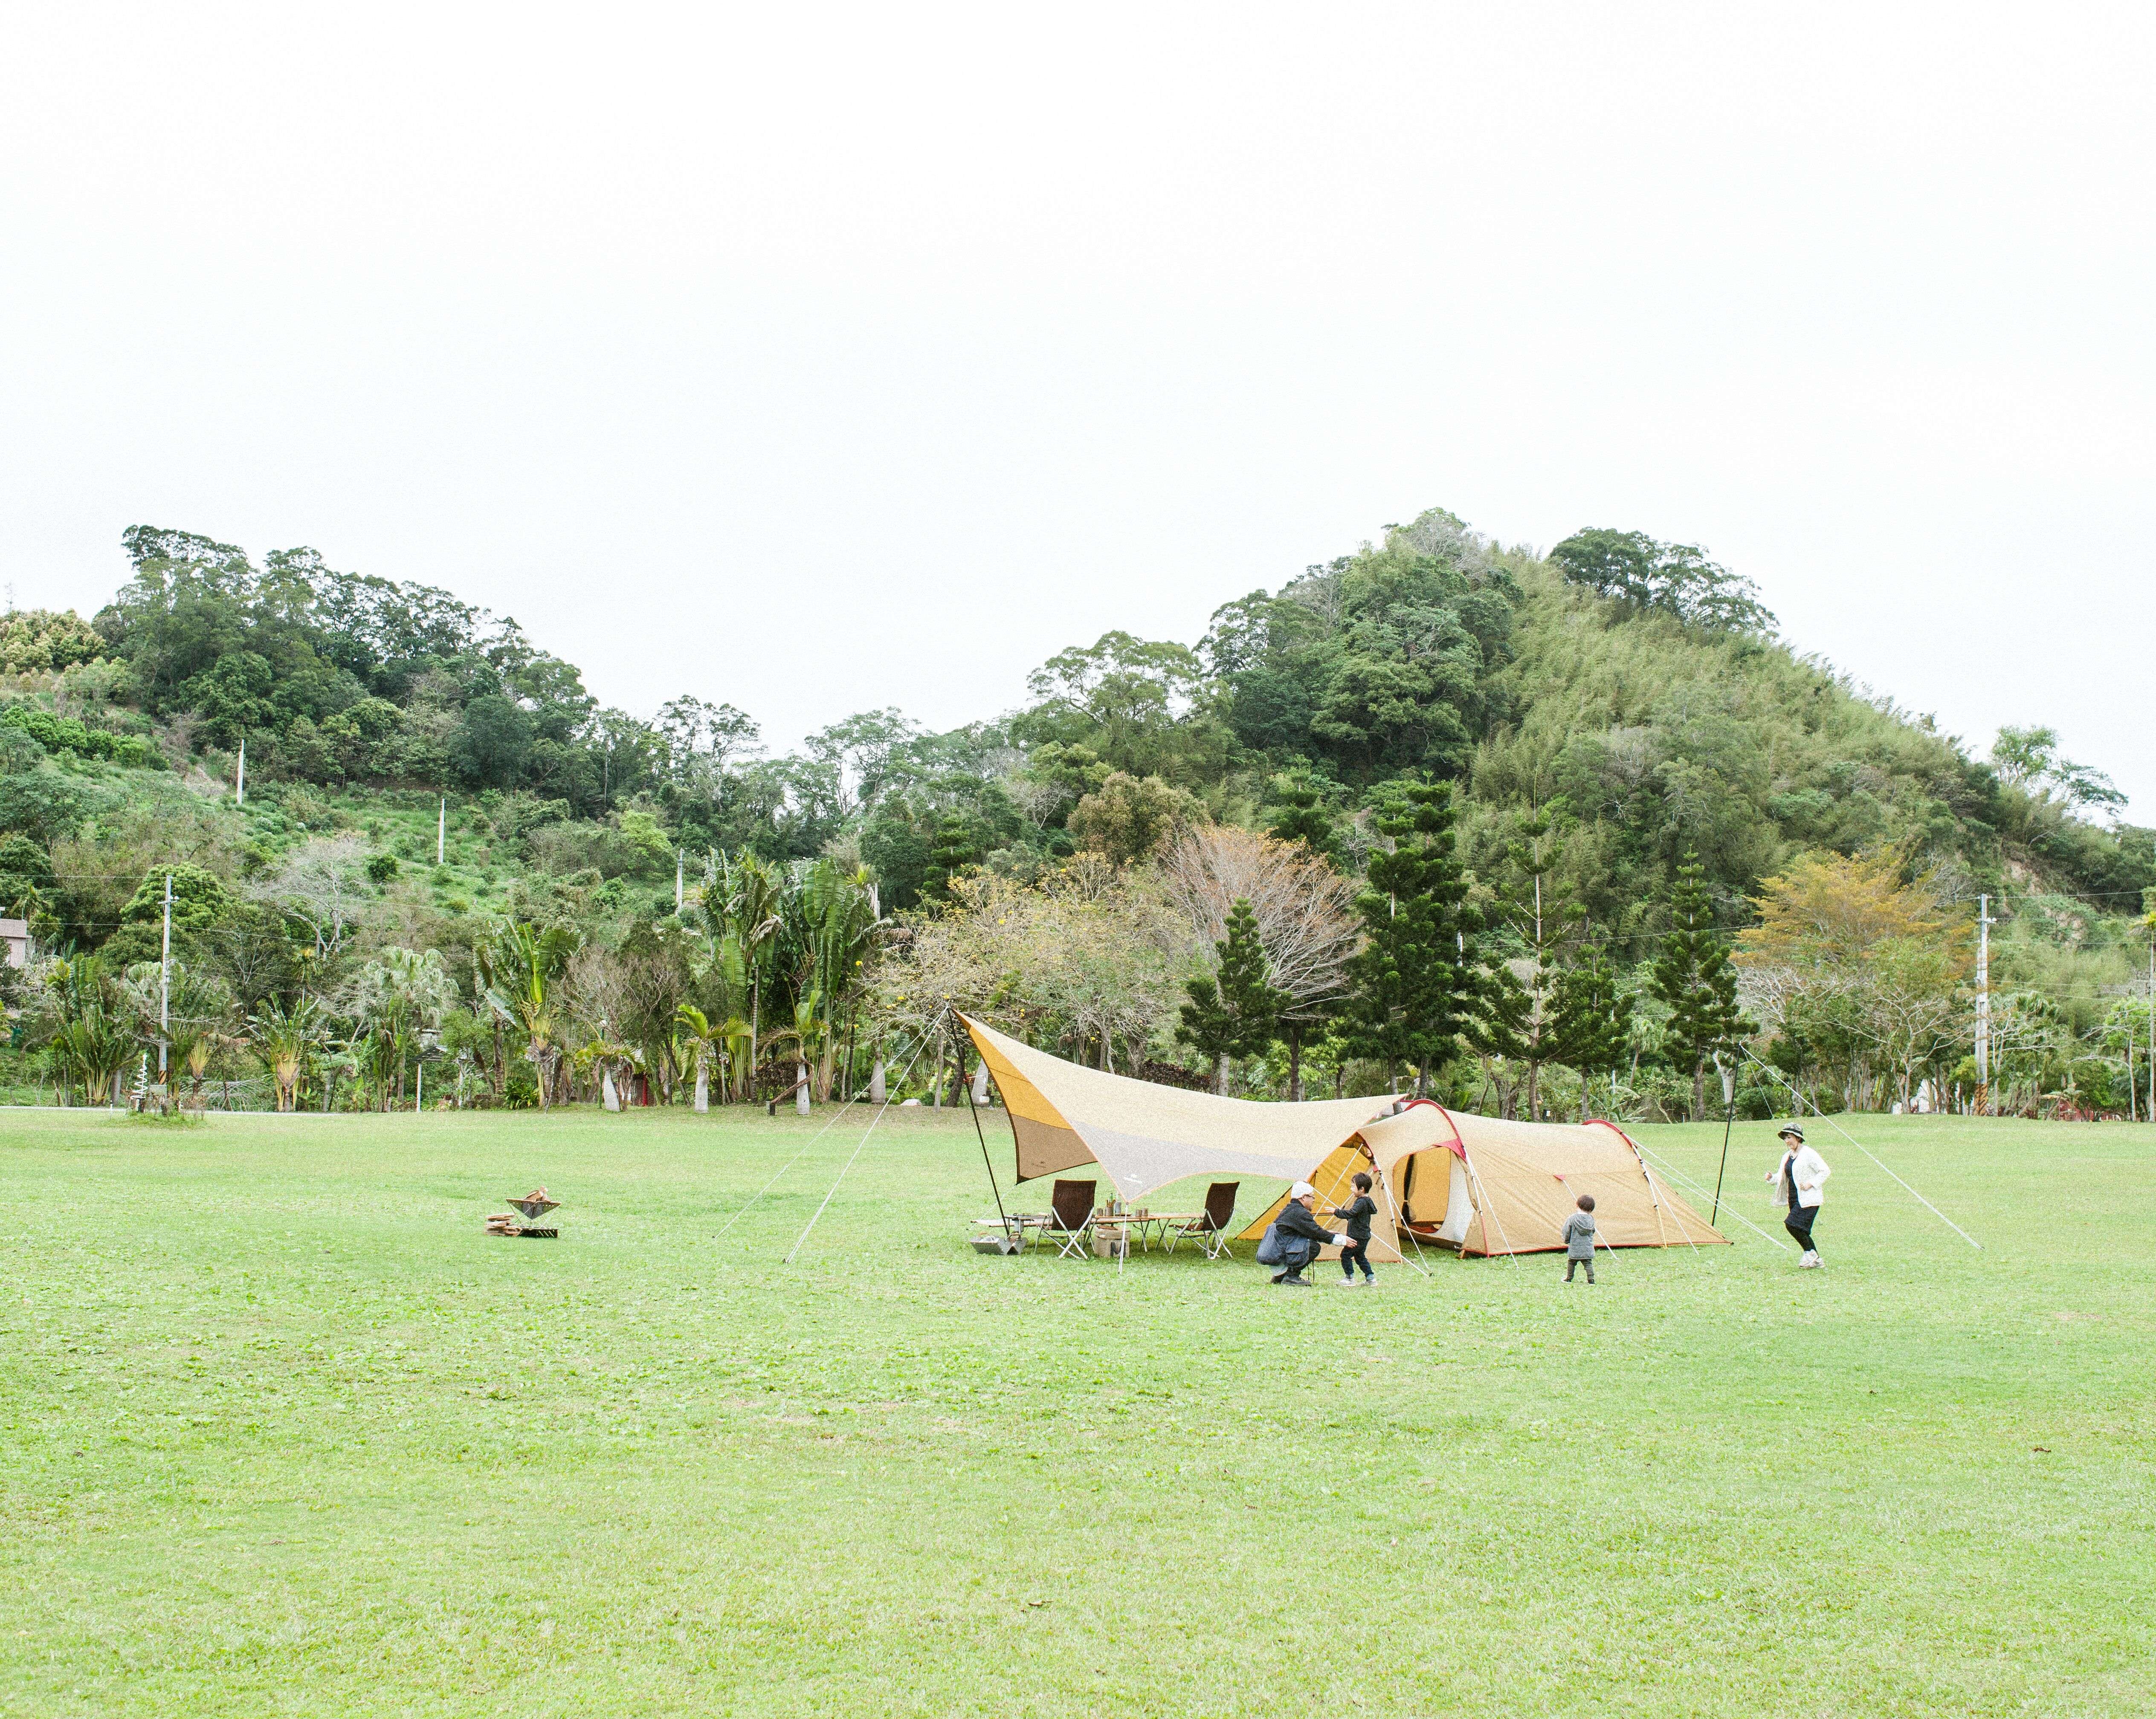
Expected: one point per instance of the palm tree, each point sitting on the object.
(400, 994)
(708, 1037)
(283, 1037)
(196, 1007)
(90, 1040)
(840, 909)
(802, 1033)
(753, 897)
(521, 976)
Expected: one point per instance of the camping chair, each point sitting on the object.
(1070, 1216)
(1209, 1229)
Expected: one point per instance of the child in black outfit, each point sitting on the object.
(1358, 1214)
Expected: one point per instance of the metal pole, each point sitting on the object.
(165, 994)
(1983, 1005)
(419, 1087)
(1729, 1102)
(982, 1135)
(677, 880)
(239, 783)
(442, 832)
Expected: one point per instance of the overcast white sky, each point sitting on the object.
(821, 359)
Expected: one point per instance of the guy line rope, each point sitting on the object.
(1845, 1133)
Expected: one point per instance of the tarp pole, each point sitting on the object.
(1861, 1146)
(1729, 1096)
(981, 1134)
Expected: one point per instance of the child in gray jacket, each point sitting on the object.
(1579, 1240)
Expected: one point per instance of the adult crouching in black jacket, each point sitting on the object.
(1300, 1236)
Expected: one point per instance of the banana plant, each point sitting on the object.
(90, 1041)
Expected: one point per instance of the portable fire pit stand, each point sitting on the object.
(534, 1206)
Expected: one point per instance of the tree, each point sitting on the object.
(1675, 577)
(1234, 1011)
(283, 1036)
(1416, 978)
(315, 884)
(2029, 757)
(1305, 913)
(492, 741)
(1131, 818)
(709, 1037)
(399, 995)
(1299, 815)
(1849, 942)
(1524, 994)
(954, 850)
(1593, 1024)
(1693, 976)
(521, 973)
(84, 1024)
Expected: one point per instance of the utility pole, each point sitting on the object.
(679, 861)
(442, 832)
(165, 996)
(240, 787)
(1983, 1005)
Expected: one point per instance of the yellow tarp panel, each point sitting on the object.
(1146, 1136)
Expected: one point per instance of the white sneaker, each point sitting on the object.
(1810, 1261)
(1343, 1283)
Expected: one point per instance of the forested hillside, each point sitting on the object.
(1606, 753)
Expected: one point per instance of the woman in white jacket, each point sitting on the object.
(1798, 1182)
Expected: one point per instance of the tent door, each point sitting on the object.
(1459, 1203)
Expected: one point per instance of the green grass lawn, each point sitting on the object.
(282, 1432)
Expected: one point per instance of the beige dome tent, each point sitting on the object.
(1483, 1185)
(1447, 1179)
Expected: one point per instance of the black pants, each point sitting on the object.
(1799, 1223)
(1572, 1265)
(1353, 1254)
(1297, 1251)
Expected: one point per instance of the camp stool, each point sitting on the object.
(1070, 1218)
(1210, 1230)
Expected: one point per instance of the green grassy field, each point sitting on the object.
(281, 1432)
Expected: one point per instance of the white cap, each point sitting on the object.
(1299, 1189)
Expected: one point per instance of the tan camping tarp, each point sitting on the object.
(1146, 1136)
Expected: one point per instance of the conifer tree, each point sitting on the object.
(1521, 1007)
(953, 851)
(1298, 815)
(1693, 976)
(1417, 976)
(1593, 1024)
(1235, 1011)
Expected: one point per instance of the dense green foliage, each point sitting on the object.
(1587, 719)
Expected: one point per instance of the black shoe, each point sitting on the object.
(1279, 1276)
(1292, 1281)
